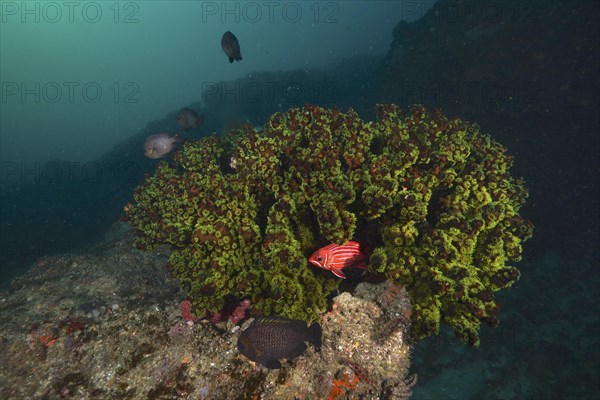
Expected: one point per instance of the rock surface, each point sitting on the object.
(106, 324)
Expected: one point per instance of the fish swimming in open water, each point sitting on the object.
(231, 47)
(336, 257)
(189, 119)
(159, 145)
(269, 339)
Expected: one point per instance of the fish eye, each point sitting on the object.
(319, 258)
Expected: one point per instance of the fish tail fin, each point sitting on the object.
(314, 335)
(365, 250)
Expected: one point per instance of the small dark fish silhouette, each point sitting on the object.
(269, 339)
(159, 145)
(189, 119)
(231, 47)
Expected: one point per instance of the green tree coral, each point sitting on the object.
(431, 196)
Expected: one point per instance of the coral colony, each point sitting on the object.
(431, 197)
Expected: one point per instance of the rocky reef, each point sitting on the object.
(431, 197)
(107, 325)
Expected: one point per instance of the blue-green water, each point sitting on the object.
(84, 84)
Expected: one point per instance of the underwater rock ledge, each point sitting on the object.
(107, 325)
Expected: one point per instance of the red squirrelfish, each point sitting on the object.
(336, 257)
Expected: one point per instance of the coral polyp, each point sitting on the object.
(432, 197)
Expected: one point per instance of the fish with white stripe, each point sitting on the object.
(336, 257)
